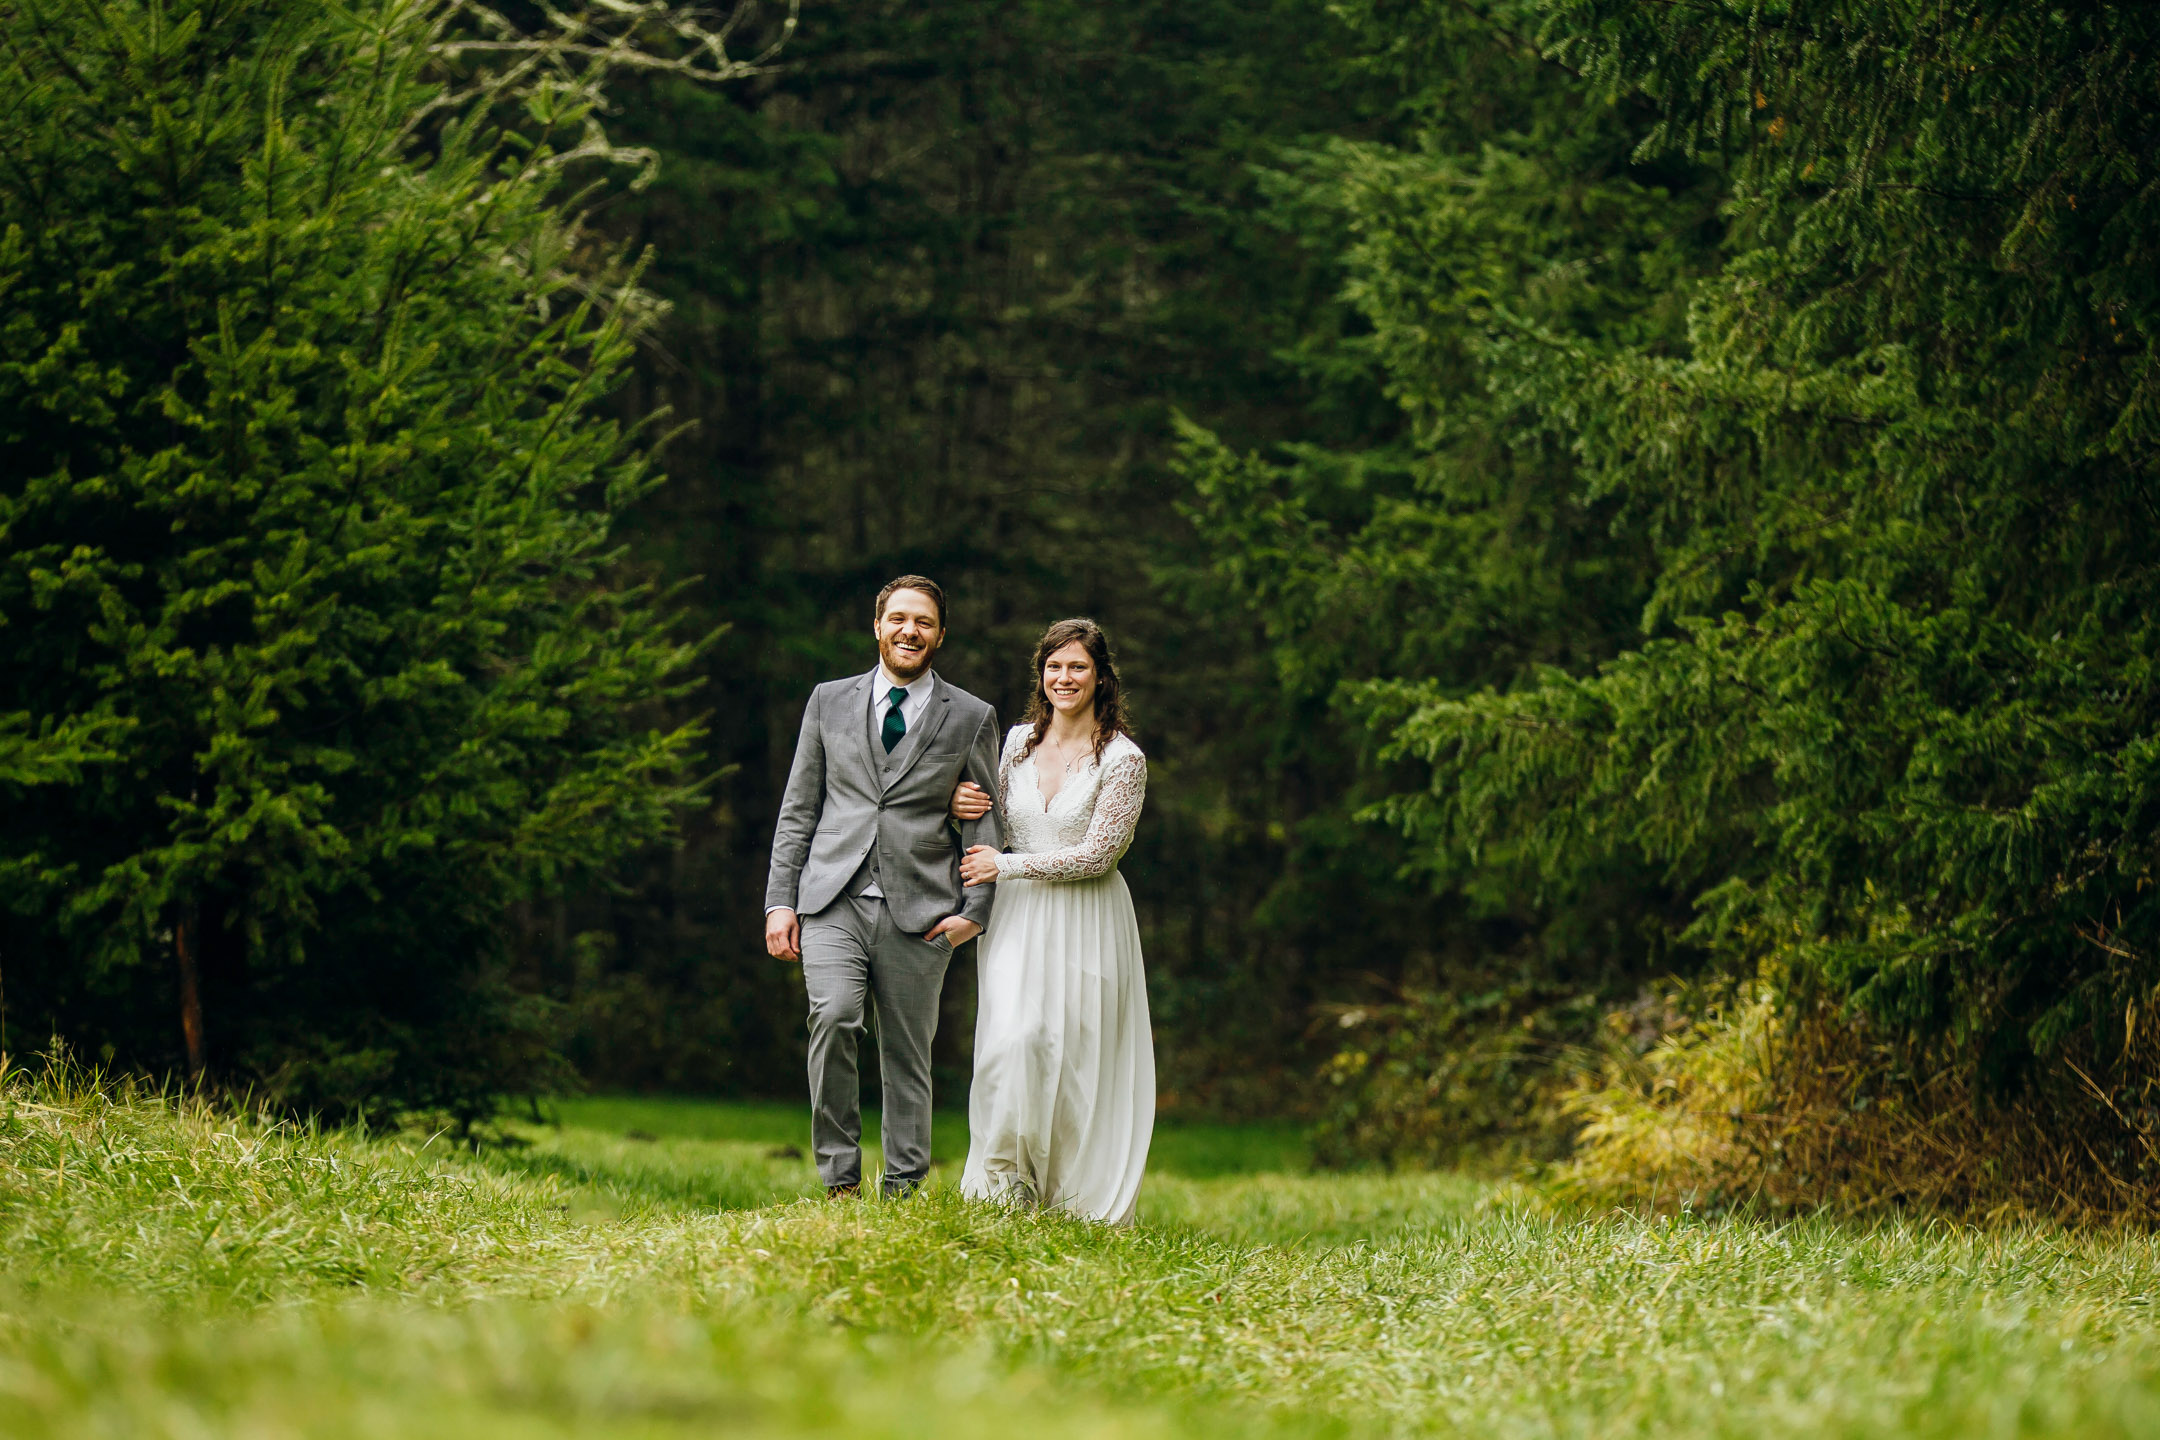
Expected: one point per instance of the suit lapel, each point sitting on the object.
(918, 737)
(858, 695)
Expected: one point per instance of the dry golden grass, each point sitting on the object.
(1753, 1105)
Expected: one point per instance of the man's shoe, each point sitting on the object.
(900, 1189)
(841, 1192)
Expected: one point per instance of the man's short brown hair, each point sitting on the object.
(910, 582)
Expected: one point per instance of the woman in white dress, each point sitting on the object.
(1063, 1102)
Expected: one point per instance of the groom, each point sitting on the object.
(864, 888)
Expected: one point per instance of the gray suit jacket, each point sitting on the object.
(846, 797)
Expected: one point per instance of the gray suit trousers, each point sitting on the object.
(852, 950)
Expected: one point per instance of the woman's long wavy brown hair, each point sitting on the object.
(1110, 721)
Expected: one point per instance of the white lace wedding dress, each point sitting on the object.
(1063, 1102)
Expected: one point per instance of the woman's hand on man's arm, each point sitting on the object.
(979, 865)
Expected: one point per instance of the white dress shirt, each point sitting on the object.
(918, 695)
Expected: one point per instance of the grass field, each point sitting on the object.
(1196, 1151)
(178, 1274)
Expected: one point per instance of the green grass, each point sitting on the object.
(1180, 1148)
(172, 1273)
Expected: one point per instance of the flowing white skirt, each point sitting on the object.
(1063, 1102)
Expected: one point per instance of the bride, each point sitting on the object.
(1063, 1103)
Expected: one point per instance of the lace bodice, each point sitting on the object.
(1086, 826)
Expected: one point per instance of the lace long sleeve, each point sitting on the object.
(1000, 801)
(1118, 798)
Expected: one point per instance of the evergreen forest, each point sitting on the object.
(1631, 531)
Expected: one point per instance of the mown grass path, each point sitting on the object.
(181, 1274)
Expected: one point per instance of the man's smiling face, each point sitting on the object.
(908, 634)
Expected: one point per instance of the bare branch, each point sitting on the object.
(585, 45)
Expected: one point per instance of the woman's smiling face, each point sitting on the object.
(1068, 678)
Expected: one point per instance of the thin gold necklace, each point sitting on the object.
(1058, 748)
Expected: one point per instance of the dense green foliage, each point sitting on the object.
(1891, 715)
(1766, 579)
(1516, 221)
(309, 658)
(601, 1285)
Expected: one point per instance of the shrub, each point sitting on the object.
(1812, 1105)
(1438, 1078)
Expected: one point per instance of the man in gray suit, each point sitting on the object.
(864, 888)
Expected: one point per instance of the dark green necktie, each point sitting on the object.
(895, 722)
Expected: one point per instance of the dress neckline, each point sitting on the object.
(1035, 778)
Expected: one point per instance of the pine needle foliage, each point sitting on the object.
(1846, 674)
(313, 653)
(1517, 221)
(1894, 701)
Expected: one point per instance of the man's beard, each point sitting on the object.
(897, 666)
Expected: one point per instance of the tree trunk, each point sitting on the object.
(190, 995)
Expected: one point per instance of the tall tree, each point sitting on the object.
(1511, 232)
(307, 536)
(1888, 716)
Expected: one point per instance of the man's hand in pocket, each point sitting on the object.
(957, 932)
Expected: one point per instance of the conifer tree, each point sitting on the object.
(1882, 710)
(1514, 226)
(314, 654)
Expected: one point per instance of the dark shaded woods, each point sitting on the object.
(938, 289)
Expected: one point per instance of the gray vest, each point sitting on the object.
(866, 874)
